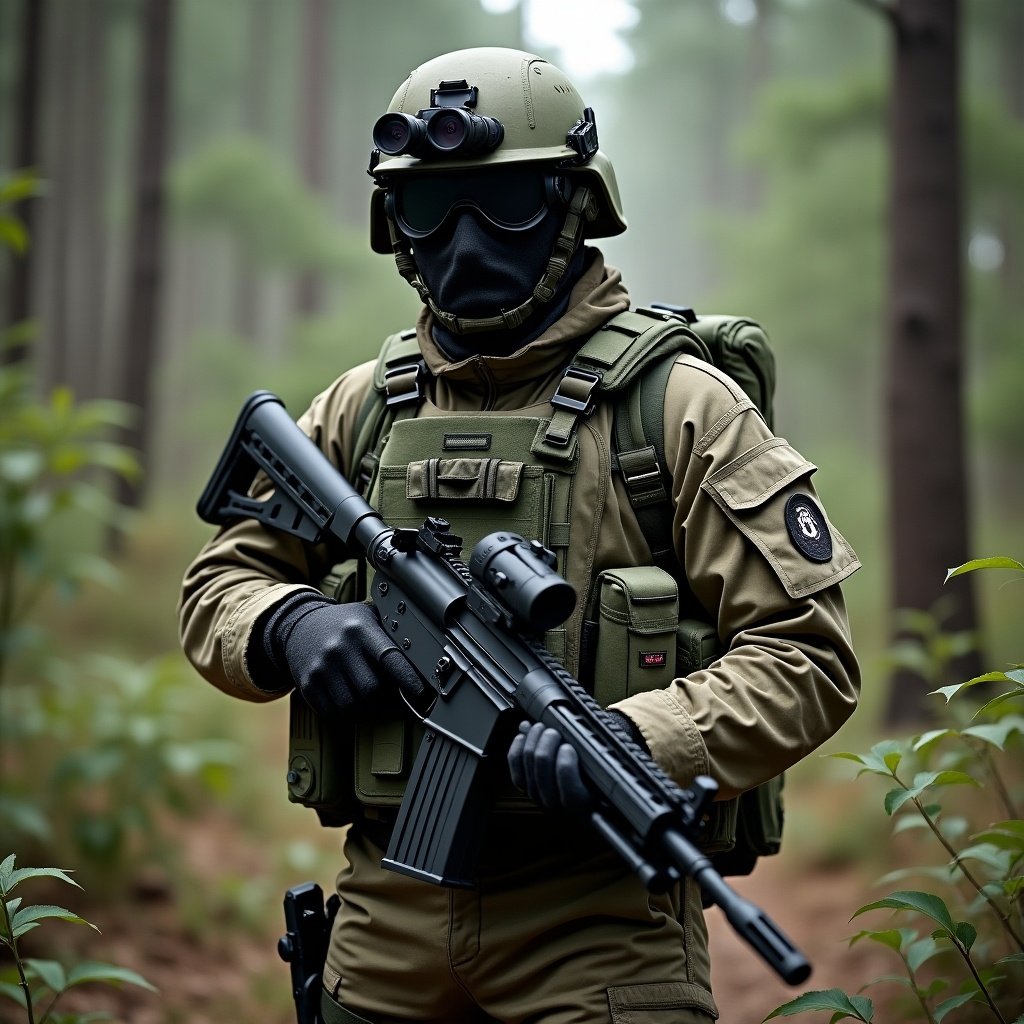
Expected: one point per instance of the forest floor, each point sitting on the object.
(224, 970)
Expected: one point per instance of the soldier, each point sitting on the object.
(488, 180)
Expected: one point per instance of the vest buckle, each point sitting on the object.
(575, 390)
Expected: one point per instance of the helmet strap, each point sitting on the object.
(582, 210)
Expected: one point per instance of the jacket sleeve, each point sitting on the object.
(764, 563)
(246, 569)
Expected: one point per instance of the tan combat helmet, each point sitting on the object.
(491, 106)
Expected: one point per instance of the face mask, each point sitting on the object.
(487, 253)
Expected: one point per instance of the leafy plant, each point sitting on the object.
(37, 985)
(974, 932)
(90, 747)
(120, 749)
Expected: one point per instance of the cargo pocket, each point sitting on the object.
(673, 1002)
(767, 495)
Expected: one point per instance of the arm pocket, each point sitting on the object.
(767, 494)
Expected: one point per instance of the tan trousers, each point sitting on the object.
(567, 938)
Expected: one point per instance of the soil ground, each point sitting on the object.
(223, 975)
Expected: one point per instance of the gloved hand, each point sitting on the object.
(338, 655)
(548, 770)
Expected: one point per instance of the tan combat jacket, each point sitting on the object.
(789, 678)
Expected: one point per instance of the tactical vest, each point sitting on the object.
(544, 472)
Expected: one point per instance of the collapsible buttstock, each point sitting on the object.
(236, 469)
(437, 834)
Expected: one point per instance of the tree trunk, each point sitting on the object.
(313, 126)
(55, 344)
(139, 345)
(261, 35)
(25, 154)
(86, 188)
(928, 493)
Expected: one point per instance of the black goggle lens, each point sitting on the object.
(399, 133)
(508, 199)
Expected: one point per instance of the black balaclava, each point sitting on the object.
(474, 269)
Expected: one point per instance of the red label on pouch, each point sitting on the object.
(653, 659)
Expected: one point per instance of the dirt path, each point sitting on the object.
(226, 975)
(813, 909)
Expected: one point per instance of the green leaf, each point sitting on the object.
(15, 992)
(23, 874)
(892, 760)
(920, 952)
(30, 915)
(107, 974)
(999, 562)
(989, 854)
(13, 234)
(22, 185)
(927, 739)
(997, 733)
(49, 972)
(1009, 835)
(895, 799)
(894, 938)
(966, 934)
(875, 760)
(858, 1007)
(989, 677)
(925, 903)
(5, 871)
(951, 1004)
(1013, 958)
(998, 701)
(939, 874)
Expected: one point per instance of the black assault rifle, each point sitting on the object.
(472, 632)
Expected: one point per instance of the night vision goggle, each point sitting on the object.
(513, 199)
(446, 128)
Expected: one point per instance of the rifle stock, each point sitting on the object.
(472, 633)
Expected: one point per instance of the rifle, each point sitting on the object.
(472, 631)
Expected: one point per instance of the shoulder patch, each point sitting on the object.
(807, 528)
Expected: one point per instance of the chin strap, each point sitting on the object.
(582, 210)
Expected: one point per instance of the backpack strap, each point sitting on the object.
(610, 358)
(736, 345)
(638, 453)
(399, 388)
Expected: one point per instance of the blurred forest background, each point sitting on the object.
(195, 226)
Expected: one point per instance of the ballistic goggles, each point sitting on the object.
(510, 199)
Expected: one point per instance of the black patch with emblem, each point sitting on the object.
(808, 529)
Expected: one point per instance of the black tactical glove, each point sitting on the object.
(548, 770)
(338, 655)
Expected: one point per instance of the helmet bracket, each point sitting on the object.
(457, 93)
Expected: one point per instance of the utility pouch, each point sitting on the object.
(319, 764)
(638, 611)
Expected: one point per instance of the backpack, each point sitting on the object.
(628, 361)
